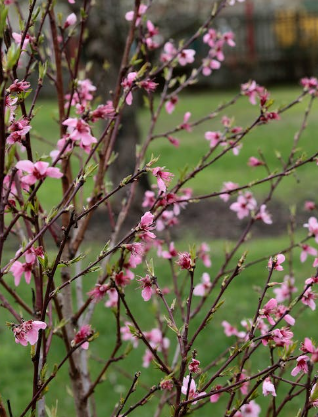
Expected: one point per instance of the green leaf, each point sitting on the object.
(12, 56)
(3, 18)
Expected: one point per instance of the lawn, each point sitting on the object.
(276, 137)
(241, 298)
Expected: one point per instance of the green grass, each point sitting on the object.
(271, 138)
(240, 299)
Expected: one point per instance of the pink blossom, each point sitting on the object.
(32, 254)
(112, 298)
(145, 226)
(18, 269)
(209, 65)
(269, 116)
(126, 334)
(310, 84)
(163, 178)
(171, 253)
(252, 91)
(84, 332)
(147, 358)
(282, 337)
(202, 289)
(245, 385)
(230, 330)
(311, 280)
(70, 20)
(185, 125)
(121, 279)
(167, 219)
(264, 215)
(186, 56)
(152, 30)
(215, 397)
(286, 289)
(185, 261)
(252, 409)
(148, 85)
(203, 253)
(269, 308)
(169, 51)
(80, 130)
(227, 186)
(37, 171)
(149, 199)
(190, 388)
(254, 162)
(243, 205)
(146, 285)
(309, 205)
(141, 11)
(82, 95)
(308, 347)
(302, 365)
(276, 261)
(156, 339)
(103, 111)
(127, 85)
(210, 37)
(280, 311)
(312, 227)
(18, 38)
(18, 129)
(268, 388)
(19, 86)
(28, 332)
(98, 292)
(171, 104)
(307, 250)
(194, 366)
(166, 384)
(213, 137)
(174, 141)
(136, 249)
(309, 298)
(229, 37)
(217, 50)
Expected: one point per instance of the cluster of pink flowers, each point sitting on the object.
(168, 217)
(184, 57)
(152, 36)
(310, 85)
(18, 268)
(82, 95)
(216, 42)
(18, 129)
(131, 81)
(253, 91)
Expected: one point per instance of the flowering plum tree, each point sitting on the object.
(87, 130)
